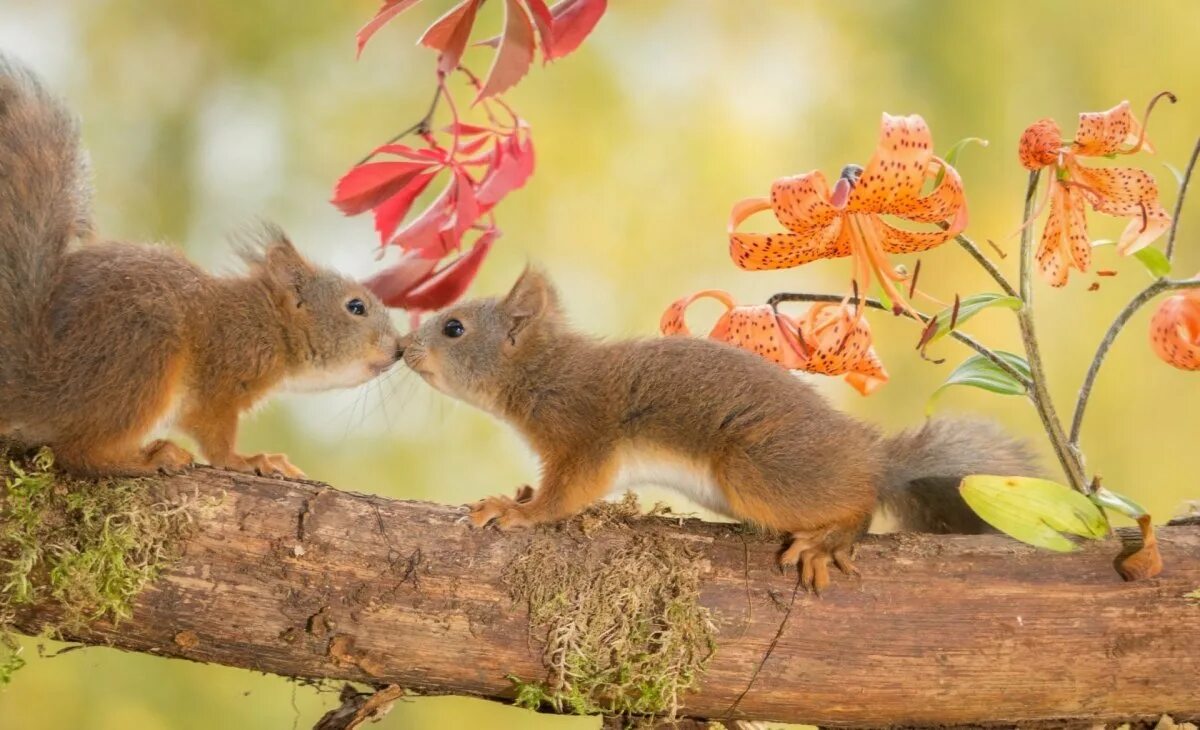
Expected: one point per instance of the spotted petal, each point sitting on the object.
(801, 202)
(893, 178)
(761, 251)
(839, 343)
(1175, 330)
(1126, 192)
(946, 202)
(1107, 132)
(1040, 144)
(1065, 238)
(756, 328)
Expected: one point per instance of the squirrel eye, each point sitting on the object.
(356, 307)
(453, 328)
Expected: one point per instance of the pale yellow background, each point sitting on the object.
(204, 115)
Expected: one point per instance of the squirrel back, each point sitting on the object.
(729, 429)
(102, 342)
(45, 202)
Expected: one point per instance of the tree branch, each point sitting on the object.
(300, 579)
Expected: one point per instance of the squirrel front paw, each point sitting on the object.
(167, 458)
(506, 512)
(265, 465)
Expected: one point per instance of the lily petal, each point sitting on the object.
(893, 178)
(1040, 144)
(1175, 330)
(761, 251)
(1064, 241)
(755, 328)
(1144, 230)
(1126, 192)
(840, 344)
(801, 202)
(1105, 133)
(896, 240)
(947, 201)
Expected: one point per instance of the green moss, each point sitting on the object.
(83, 548)
(623, 630)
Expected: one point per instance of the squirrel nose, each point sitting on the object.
(401, 344)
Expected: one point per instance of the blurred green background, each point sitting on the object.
(202, 116)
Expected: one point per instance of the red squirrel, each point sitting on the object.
(101, 341)
(725, 427)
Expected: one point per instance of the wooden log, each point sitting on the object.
(301, 579)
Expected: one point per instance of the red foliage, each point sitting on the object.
(481, 163)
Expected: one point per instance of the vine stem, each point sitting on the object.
(421, 126)
(1039, 394)
(1159, 286)
(924, 318)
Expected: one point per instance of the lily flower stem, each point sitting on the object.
(918, 316)
(986, 263)
(1039, 394)
(1141, 298)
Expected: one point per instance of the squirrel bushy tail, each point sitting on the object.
(45, 201)
(926, 464)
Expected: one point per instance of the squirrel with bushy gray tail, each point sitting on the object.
(103, 341)
(725, 427)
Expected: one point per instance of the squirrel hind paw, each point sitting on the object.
(505, 512)
(167, 457)
(811, 554)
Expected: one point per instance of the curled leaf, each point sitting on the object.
(1034, 511)
(515, 56)
(1146, 562)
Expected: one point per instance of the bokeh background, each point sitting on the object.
(202, 116)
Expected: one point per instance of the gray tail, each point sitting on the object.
(45, 201)
(925, 465)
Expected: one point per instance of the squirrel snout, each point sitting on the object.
(402, 344)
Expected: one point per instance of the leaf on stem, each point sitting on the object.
(1034, 511)
(1105, 497)
(980, 372)
(1155, 261)
(968, 308)
(952, 156)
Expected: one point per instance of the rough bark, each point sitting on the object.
(302, 579)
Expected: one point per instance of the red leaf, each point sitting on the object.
(513, 59)
(420, 155)
(422, 232)
(450, 32)
(390, 212)
(466, 130)
(573, 22)
(369, 184)
(544, 21)
(466, 210)
(391, 284)
(471, 148)
(390, 9)
(451, 281)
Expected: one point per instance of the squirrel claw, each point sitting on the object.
(505, 512)
(167, 458)
(265, 465)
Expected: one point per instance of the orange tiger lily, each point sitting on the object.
(1124, 192)
(1175, 330)
(830, 339)
(848, 221)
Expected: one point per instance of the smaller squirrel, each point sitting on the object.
(102, 341)
(725, 427)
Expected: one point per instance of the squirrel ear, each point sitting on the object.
(531, 298)
(284, 265)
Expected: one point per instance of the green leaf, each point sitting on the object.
(979, 372)
(1154, 260)
(951, 157)
(1105, 497)
(1034, 511)
(969, 307)
(1175, 171)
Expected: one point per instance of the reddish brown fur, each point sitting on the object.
(105, 340)
(779, 454)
